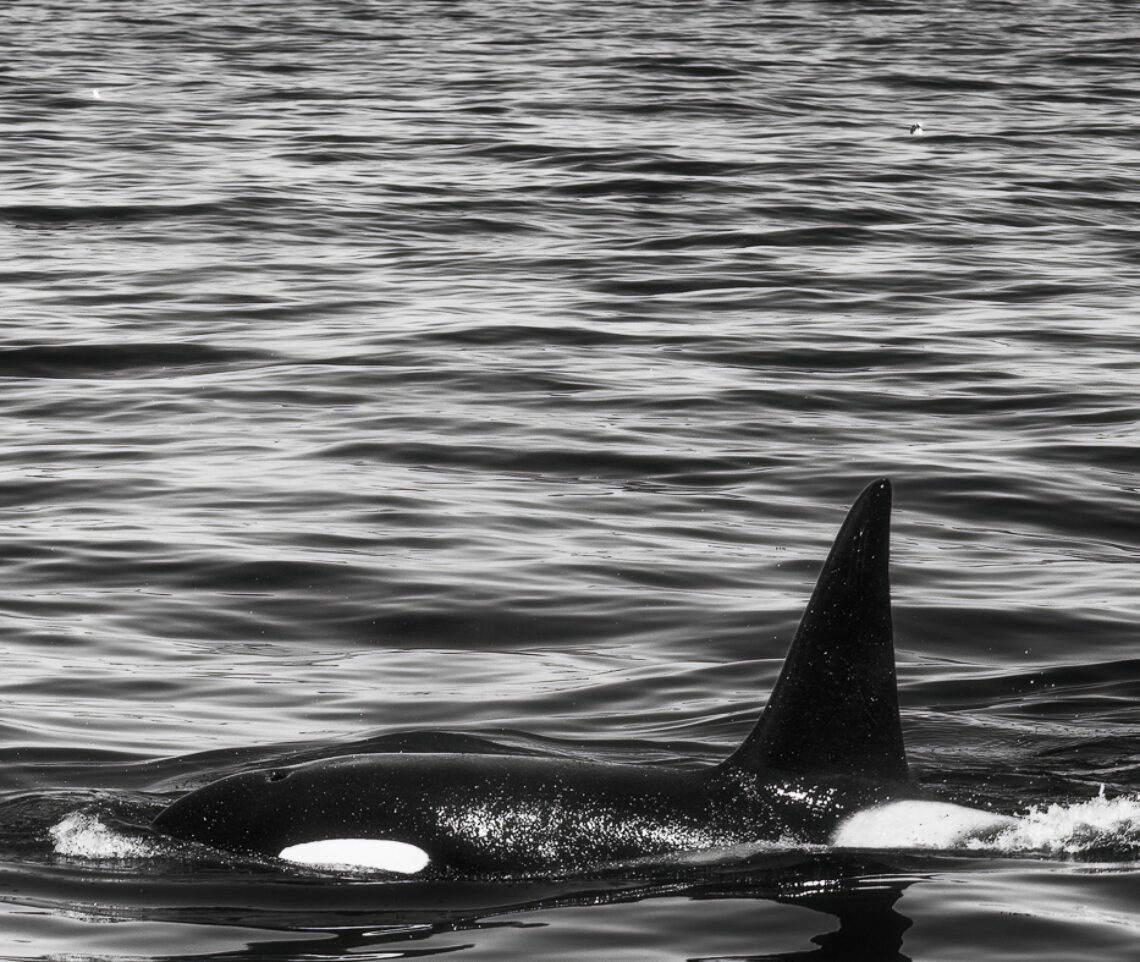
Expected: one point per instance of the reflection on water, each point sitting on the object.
(870, 929)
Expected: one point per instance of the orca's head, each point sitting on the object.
(334, 812)
(255, 813)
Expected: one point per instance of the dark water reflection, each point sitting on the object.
(870, 929)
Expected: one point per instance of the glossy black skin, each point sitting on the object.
(828, 743)
(506, 814)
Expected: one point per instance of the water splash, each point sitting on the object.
(1098, 826)
(84, 835)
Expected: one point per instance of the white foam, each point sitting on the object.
(1099, 823)
(374, 853)
(919, 824)
(82, 835)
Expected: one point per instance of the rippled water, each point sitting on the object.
(505, 368)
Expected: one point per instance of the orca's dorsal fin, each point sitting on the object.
(834, 710)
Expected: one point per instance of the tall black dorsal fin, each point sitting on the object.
(835, 708)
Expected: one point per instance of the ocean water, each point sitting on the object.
(387, 375)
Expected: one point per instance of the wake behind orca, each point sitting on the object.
(826, 752)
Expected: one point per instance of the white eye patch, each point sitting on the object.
(376, 853)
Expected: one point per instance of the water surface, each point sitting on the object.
(505, 368)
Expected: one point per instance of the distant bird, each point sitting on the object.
(916, 130)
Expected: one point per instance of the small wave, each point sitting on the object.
(84, 835)
(1099, 826)
(75, 215)
(103, 360)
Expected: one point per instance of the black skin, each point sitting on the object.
(829, 743)
(496, 814)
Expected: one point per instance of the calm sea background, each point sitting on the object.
(504, 368)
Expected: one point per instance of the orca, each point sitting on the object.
(827, 747)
